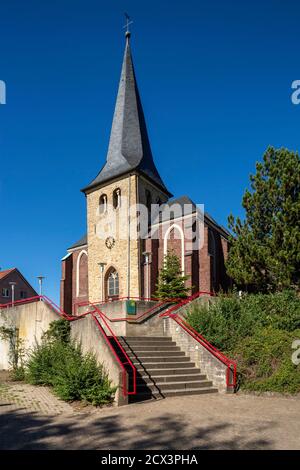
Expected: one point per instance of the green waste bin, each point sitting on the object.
(131, 307)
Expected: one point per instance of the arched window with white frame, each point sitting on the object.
(174, 233)
(112, 283)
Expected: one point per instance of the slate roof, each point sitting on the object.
(190, 207)
(81, 242)
(129, 147)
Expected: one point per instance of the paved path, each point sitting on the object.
(35, 419)
(19, 396)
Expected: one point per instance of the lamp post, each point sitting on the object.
(40, 279)
(13, 285)
(102, 267)
(148, 260)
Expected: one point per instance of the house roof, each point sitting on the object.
(4, 273)
(129, 147)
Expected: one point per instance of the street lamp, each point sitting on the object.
(13, 285)
(40, 279)
(102, 267)
(148, 260)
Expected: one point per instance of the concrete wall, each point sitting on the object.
(86, 332)
(207, 362)
(117, 309)
(31, 319)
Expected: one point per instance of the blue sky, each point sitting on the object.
(215, 79)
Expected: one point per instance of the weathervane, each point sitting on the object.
(128, 22)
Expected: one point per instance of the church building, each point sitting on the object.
(120, 256)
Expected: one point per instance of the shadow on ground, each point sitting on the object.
(22, 430)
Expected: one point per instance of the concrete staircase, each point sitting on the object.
(163, 370)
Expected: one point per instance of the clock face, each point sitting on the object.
(110, 242)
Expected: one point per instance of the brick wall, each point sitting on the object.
(21, 286)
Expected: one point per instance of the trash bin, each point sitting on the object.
(131, 307)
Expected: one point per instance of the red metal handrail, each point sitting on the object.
(231, 365)
(186, 301)
(129, 362)
(63, 314)
(85, 303)
(38, 298)
(130, 318)
(20, 302)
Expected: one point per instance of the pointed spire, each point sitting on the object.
(129, 147)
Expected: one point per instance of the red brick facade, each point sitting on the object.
(74, 281)
(205, 267)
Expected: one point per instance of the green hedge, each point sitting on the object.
(257, 331)
(60, 363)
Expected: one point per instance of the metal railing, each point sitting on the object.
(231, 371)
(97, 316)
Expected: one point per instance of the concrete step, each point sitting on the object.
(167, 386)
(169, 359)
(171, 393)
(159, 354)
(145, 339)
(170, 378)
(169, 372)
(169, 347)
(163, 365)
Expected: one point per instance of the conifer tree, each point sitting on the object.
(265, 252)
(171, 282)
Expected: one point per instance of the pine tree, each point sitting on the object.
(171, 282)
(265, 252)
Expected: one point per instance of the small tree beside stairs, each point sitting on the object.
(171, 281)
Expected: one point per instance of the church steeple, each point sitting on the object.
(129, 148)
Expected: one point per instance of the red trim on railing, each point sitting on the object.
(124, 371)
(20, 302)
(132, 318)
(231, 365)
(129, 362)
(63, 314)
(85, 303)
(185, 302)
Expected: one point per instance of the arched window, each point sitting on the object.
(148, 204)
(102, 204)
(82, 274)
(213, 258)
(113, 283)
(174, 241)
(117, 198)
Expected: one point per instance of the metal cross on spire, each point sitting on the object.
(128, 22)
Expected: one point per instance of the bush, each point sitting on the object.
(60, 363)
(257, 331)
(265, 361)
(230, 319)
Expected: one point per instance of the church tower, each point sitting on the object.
(128, 178)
